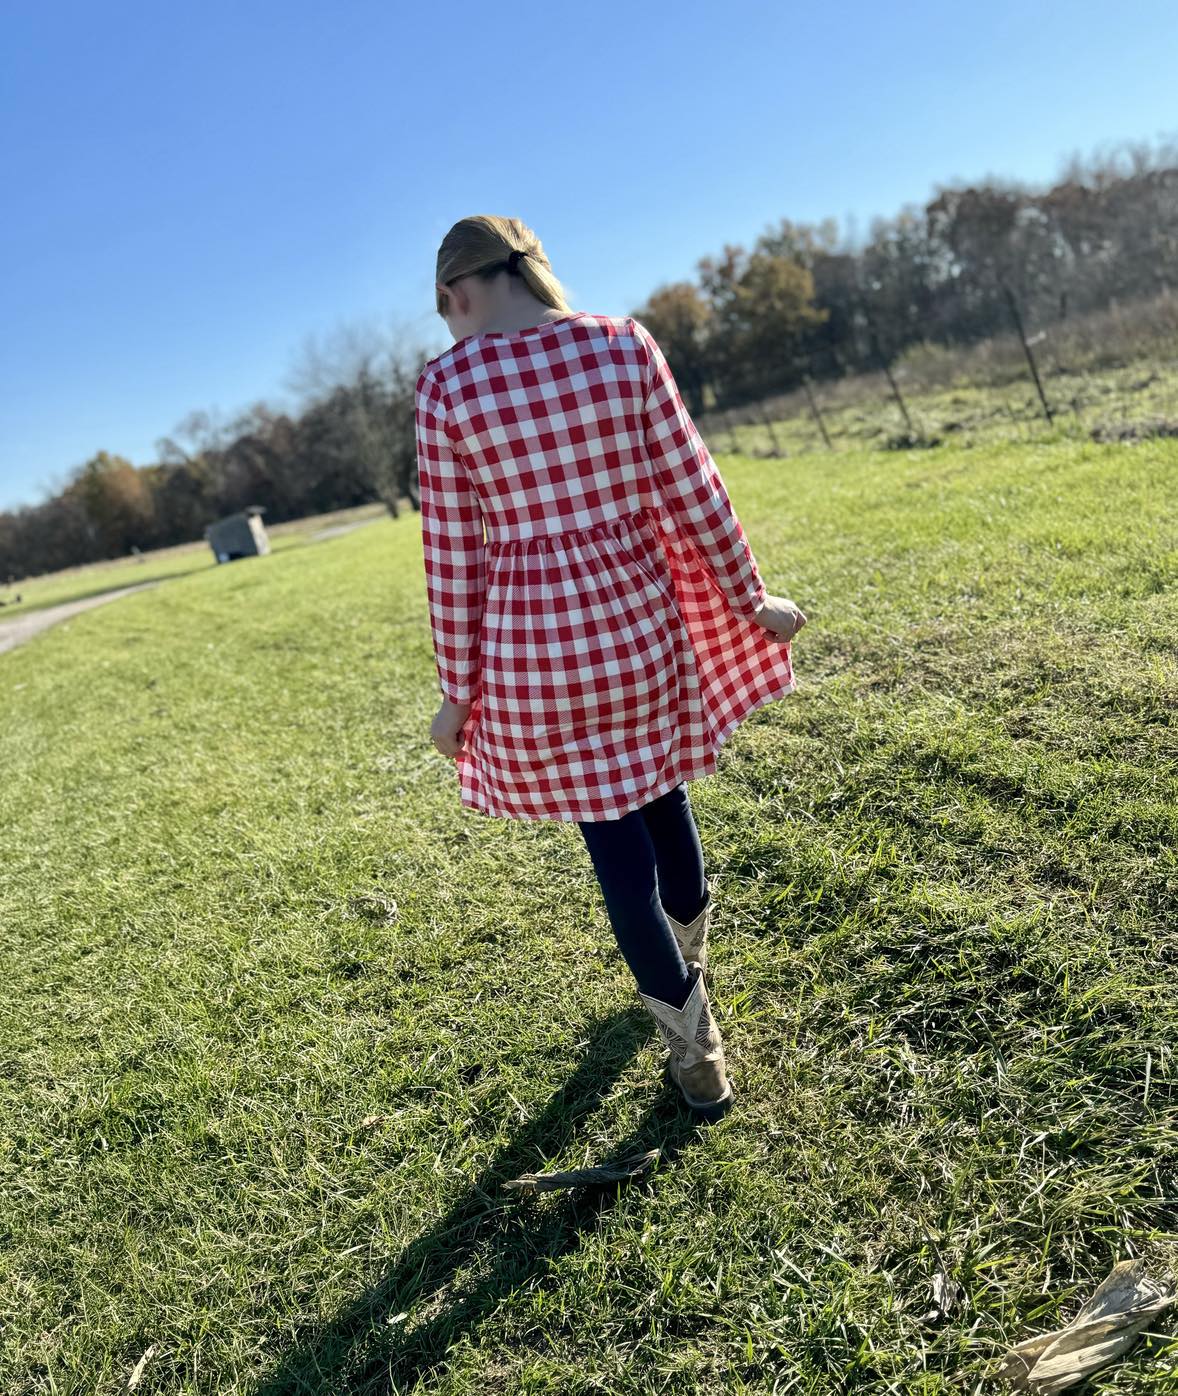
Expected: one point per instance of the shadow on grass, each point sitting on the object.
(368, 1350)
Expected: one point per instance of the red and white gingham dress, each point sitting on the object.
(600, 630)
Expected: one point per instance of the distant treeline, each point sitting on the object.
(802, 302)
(349, 447)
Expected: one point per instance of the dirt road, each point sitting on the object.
(20, 628)
(23, 627)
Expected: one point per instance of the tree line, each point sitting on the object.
(803, 302)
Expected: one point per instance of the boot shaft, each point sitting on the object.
(692, 937)
(696, 1052)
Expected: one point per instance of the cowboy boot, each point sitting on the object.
(693, 937)
(696, 1064)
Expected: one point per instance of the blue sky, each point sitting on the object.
(192, 192)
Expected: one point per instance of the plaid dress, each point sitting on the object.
(589, 586)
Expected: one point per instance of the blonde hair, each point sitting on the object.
(482, 243)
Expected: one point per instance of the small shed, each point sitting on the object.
(239, 535)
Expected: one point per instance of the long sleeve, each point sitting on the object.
(690, 482)
(453, 546)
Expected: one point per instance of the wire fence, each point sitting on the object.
(1109, 376)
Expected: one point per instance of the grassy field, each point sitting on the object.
(185, 559)
(982, 397)
(281, 1019)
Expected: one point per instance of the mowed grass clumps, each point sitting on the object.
(281, 1018)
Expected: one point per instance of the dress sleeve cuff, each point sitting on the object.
(753, 603)
(461, 694)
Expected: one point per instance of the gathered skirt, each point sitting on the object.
(612, 667)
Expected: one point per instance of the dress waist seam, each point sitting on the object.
(605, 526)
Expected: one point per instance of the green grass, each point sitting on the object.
(185, 559)
(281, 1018)
(981, 406)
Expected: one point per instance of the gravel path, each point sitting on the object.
(20, 628)
(23, 627)
(336, 529)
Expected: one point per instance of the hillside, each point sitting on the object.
(281, 1019)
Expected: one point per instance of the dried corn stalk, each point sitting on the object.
(1108, 1324)
(586, 1177)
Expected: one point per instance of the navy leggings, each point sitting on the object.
(648, 862)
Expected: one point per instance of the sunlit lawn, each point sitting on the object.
(281, 1017)
(91, 579)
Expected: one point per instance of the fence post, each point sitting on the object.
(1018, 324)
(883, 363)
(767, 422)
(814, 409)
(734, 446)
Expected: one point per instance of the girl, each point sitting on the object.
(599, 623)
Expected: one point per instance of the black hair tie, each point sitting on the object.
(513, 261)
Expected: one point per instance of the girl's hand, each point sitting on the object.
(779, 614)
(446, 728)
